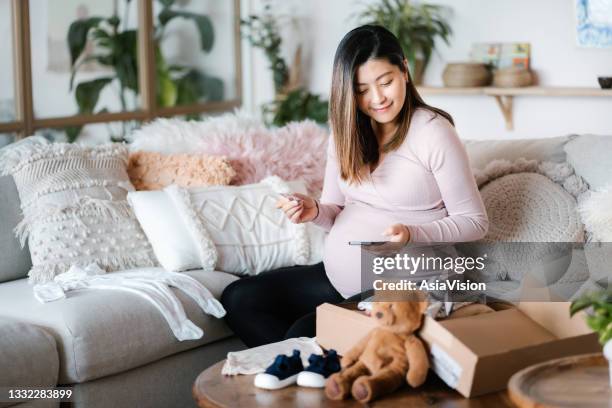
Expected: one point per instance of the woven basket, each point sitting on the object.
(466, 74)
(512, 77)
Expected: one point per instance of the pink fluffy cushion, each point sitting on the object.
(154, 171)
(296, 151)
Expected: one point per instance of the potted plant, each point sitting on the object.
(416, 25)
(599, 318)
(292, 101)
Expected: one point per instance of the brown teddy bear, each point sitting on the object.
(389, 355)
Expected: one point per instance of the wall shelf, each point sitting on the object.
(504, 96)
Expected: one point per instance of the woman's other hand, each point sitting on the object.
(398, 233)
(298, 207)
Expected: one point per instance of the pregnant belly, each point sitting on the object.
(361, 223)
(343, 261)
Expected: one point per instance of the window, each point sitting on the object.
(130, 61)
(7, 80)
(50, 21)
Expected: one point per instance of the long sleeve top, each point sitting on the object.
(425, 184)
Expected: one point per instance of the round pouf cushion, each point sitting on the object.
(540, 216)
(529, 207)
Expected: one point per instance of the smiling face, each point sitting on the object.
(381, 90)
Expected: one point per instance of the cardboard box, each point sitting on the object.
(477, 354)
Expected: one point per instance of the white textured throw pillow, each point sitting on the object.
(234, 229)
(529, 207)
(171, 240)
(74, 204)
(596, 213)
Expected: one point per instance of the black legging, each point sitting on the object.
(278, 304)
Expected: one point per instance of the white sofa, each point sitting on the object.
(116, 350)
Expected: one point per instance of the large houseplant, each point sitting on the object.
(416, 25)
(116, 47)
(292, 102)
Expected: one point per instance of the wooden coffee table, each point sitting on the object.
(212, 389)
(576, 381)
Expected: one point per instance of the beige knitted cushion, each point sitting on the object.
(154, 171)
(529, 207)
(74, 204)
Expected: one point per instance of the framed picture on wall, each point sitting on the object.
(594, 23)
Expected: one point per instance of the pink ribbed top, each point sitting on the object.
(426, 184)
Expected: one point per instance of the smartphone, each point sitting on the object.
(367, 243)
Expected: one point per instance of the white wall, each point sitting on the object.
(549, 25)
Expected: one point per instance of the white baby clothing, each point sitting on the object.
(255, 360)
(152, 284)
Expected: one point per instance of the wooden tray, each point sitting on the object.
(577, 381)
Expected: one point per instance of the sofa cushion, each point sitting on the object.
(255, 152)
(15, 261)
(482, 152)
(74, 206)
(236, 229)
(590, 156)
(528, 207)
(104, 332)
(154, 171)
(28, 356)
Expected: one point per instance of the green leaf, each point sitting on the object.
(77, 36)
(579, 305)
(600, 319)
(186, 94)
(125, 59)
(605, 335)
(72, 133)
(597, 323)
(167, 92)
(298, 105)
(166, 89)
(78, 65)
(166, 3)
(195, 86)
(88, 93)
(202, 22)
(113, 21)
(214, 88)
(602, 297)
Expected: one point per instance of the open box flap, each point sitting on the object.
(555, 317)
(497, 332)
(353, 323)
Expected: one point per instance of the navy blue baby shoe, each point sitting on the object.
(281, 373)
(319, 368)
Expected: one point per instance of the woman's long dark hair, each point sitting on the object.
(356, 144)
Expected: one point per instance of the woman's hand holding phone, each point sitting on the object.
(298, 207)
(398, 233)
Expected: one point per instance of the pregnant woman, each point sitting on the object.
(396, 170)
